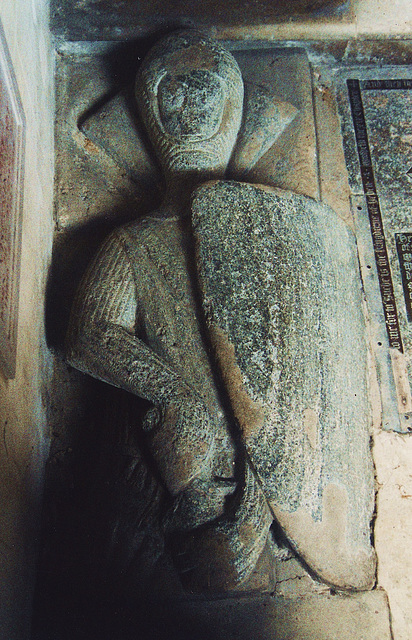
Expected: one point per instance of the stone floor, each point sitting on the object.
(320, 617)
(317, 617)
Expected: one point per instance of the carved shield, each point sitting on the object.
(282, 300)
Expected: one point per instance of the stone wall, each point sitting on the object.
(266, 20)
(23, 424)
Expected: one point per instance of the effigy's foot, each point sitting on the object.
(221, 555)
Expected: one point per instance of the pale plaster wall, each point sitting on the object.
(23, 435)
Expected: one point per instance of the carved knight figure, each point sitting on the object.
(235, 310)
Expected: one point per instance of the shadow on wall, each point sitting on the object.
(78, 237)
(90, 475)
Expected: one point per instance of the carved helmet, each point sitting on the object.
(190, 93)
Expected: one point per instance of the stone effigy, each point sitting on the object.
(235, 310)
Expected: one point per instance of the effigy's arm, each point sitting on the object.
(102, 342)
(101, 338)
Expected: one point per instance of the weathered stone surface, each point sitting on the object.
(333, 176)
(115, 128)
(282, 301)
(265, 119)
(276, 144)
(291, 161)
(283, 311)
(136, 323)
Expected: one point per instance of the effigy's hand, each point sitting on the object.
(180, 436)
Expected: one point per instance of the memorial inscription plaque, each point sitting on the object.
(381, 110)
(11, 169)
(404, 247)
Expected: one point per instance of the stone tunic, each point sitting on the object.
(136, 324)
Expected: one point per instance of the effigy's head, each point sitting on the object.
(190, 94)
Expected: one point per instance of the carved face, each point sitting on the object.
(190, 93)
(191, 105)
